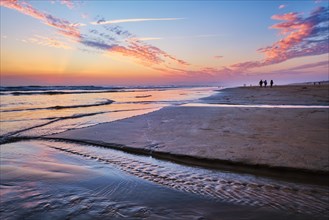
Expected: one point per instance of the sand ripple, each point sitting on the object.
(232, 188)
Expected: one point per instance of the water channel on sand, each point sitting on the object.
(56, 180)
(44, 179)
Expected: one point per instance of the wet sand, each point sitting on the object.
(46, 179)
(38, 181)
(278, 139)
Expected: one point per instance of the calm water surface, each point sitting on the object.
(54, 180)
(80, 108)
(57, 180)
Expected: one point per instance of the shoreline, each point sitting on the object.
(75, 182)
(154, 134)
(152, 144)
(303, 94)
(281, 173)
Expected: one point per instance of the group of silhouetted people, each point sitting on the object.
(261, 82)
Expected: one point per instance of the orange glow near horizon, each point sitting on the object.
(57, 45)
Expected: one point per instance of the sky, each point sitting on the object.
(124, 43)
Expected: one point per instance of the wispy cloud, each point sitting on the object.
(78, 25)
(103, 36)
(101, 45)
(68, 3)
(218, 57)
(300, 70)
(302, 37)
(84, 15)
(119, 31)
(209, 74)
(311, 65)
(148, 55)
(148, 38)
(196, 36)
(102, 21)
(176, 37)
(282, 6)
(118, 41)
(63, 27)
(47, 41)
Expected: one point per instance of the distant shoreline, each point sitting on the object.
(303, 94)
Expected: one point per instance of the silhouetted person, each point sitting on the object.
(261, 83)
(265, 83)
(271, 83)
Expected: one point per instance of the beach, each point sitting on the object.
(295, 94)
(164, 110)
(39, 181)
(241, 152)
(294, 138)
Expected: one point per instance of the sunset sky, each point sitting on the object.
(66, 42)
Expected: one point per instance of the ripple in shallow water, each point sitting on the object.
(228, 187)
(59, 185)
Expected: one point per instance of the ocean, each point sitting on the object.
(48, 179)
(42, 110)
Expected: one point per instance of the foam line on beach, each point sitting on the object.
(56, 92)
(254, 106)
(6, 137)
(59, 107)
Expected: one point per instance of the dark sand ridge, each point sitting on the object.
(269, 138)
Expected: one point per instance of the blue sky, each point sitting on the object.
(162, 42)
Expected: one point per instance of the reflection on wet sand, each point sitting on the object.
(40, 179)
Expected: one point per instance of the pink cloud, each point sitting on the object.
(140, 52)
(205, 73)
(301, 37)
(63, 26)
(282, 6)
(148, 54)
(218, 57)
(68, 3)
(311, 65)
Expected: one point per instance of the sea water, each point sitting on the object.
(36, 111)
(56, 180)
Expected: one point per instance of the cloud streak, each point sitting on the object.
(148, 38)
(311, 65)
(47, 41)
(282, 6)
(146, 54)
(178, 37)
(302, 37)
(103, 22)
(68, 3)
(63, 27)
